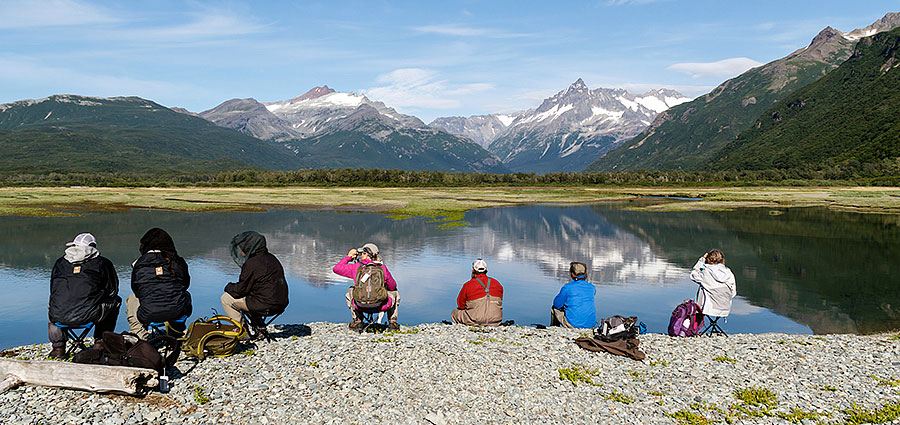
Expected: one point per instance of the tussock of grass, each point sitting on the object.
(885, 413)
(620, 398)
(798, 416)
(886, 382)
(579, 373)
(757, 396)
(725, 359)
(686, 417)
(200, 396)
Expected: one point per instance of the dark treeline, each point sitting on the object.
(884, 173)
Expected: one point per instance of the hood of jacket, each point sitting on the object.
(720, 273)
(78, 254)
(157, 239)
(246, 244)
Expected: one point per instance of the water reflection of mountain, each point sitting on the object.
(553, 236)
(833, 271)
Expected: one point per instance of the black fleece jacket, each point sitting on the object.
(262, 283)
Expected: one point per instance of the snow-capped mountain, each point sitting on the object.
(569, 130)
(483, 129)
(335, 129)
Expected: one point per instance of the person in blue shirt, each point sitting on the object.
(573, 307)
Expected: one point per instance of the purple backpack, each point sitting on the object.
(687, 319)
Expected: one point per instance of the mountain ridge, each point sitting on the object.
(690, 135)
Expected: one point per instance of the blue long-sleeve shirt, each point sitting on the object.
(576, 298)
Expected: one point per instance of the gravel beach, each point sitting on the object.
(323, 373)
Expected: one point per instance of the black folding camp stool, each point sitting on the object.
(258, 324)
(77, 338)
(713, 327)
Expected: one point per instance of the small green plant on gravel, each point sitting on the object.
(659, 394)
(894, 337)
(383, 339)
(757, 396)
(820, 338)
(407, 331)
(858, 415)
(798, 415)
(313, 364)
(798, 342)
(659, 362)
(781, 342)
(248, 352)
(725, 359)
(294, 337)
(637, 375)
(619, 397)
(200, 396)
(579, 373)
(686, 417)
(478, 329)
(886, 382)
(828, 388)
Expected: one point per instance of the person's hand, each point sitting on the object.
(351, 253)
(705, 255)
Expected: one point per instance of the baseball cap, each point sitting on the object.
(83, 239)
(370, 246)
(479, 266)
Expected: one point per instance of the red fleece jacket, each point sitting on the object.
(472, 290)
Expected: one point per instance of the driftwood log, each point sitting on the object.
(96, 378)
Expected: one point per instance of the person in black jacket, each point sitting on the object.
(261, 289)
(159, 284)
(84, 288)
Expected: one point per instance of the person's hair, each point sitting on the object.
(572, 269)
(715, 257)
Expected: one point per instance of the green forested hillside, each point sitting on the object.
(65, 132)
(850, 115)
(689, 135)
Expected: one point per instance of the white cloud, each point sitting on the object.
(19, 14)
(465, 31)
(415, 88)
(205, 25)
(58, 80)
(723, 68)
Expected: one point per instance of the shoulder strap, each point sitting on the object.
(487, 289)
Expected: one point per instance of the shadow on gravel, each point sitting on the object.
(287, 331)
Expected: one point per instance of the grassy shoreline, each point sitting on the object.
(450, 202)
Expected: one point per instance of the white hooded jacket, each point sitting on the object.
(717, 287)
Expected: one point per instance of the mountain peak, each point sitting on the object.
(578, 85)
(823, 36)
(313, 93)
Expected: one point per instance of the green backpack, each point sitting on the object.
(218, 336)
(368, 286)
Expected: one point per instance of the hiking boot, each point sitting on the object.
(393, 325)
(356, 324)
(57, 353)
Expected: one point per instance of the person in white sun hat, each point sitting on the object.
(480, 301)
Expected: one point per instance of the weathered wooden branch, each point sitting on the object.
(96, 378)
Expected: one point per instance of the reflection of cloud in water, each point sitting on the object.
(742, 307)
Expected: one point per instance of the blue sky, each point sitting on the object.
(426, 58)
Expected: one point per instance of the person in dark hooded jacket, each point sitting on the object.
(159, 284)
(261, 289)
(84, 288)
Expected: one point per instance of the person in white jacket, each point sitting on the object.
(717, 284)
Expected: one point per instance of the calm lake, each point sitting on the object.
(799, 270)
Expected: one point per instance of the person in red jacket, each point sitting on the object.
(480, 301)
